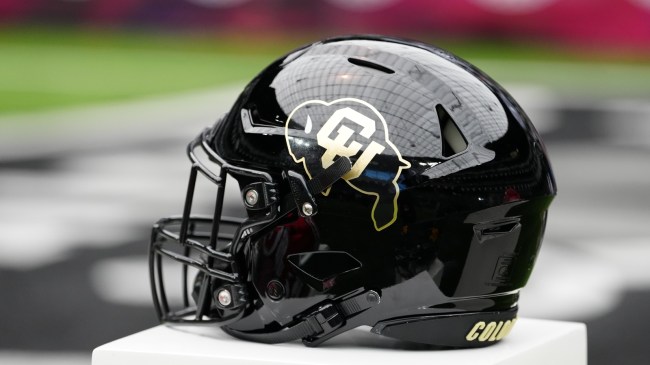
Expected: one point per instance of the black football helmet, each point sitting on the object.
(386, 183)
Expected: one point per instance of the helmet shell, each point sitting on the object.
(444, 209)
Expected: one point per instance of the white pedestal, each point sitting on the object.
(531, 342)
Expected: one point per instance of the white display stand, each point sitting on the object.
(531, 342)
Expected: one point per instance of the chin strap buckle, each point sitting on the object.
(333, 318)
(328, 320)
(325, 320)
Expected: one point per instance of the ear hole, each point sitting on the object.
(453, 141)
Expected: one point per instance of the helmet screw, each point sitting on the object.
(224, 297)
(372, 297)
(307, 209)
(251, 197)
(275, 290)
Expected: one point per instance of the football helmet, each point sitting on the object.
(385, 182)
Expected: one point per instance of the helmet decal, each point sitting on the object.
(352, 128)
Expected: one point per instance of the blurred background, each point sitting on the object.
(99, 97)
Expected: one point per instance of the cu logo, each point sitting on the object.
(344, 144)
(354, 129)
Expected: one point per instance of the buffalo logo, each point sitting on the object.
(318, 132)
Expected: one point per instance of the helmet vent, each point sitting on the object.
(504, 228)
(453, 141)
(489, 230)
(370, 64)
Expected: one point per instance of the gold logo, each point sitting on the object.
(355, 129)
(490, 331)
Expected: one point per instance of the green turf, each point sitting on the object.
(58, 67)
(63, 68)
(38, 76)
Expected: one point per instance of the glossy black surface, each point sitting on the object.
(444, 209)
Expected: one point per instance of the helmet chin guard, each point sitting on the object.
(386, 183)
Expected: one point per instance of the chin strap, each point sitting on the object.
(304, 192)
(319, 325)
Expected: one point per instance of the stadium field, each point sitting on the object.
(44, 68)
